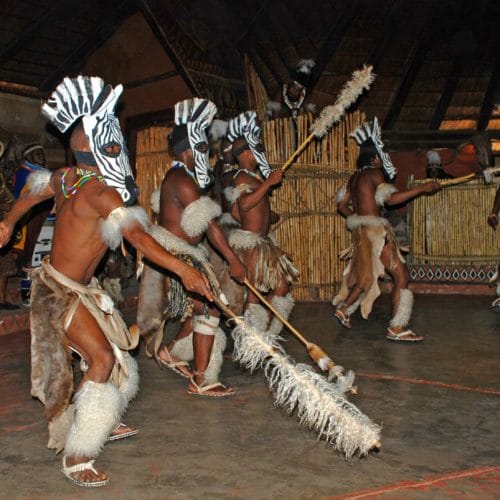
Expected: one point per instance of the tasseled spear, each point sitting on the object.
(316, 353)
(360, 80)
(320, 405)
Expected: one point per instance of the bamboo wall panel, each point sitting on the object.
(309, 229)
(451, 226)
(153, 160)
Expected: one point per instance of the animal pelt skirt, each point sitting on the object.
(269, 263)
(54, 301)
(369, 235)
(162, 296)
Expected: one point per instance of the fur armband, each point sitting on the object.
(198, 215)
(38, 181)
(121, 218)
(236, 192)
(340, 194)
(154, 201)
(384, 192)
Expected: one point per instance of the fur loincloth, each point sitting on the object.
(162, 296)
(369, 235)
(54, 301)
(271, 264)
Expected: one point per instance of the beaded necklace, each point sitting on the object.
(85, 176)
(248, 172)
(179, 164)
(293, 106)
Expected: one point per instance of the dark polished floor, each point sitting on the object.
(438, 403)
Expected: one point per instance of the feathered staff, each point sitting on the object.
(320, 405)
(361, 79)
(316, 353)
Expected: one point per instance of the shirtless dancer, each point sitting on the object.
(374, 246)
(270, 270)
(186, 214)
(69, 310)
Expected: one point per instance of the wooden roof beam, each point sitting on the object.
(20, 41)
(488, 104)
(393, 17)
(145, 7)
(333, 40)
(92, 41)
(414, 62)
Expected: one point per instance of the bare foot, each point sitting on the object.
(81, 471)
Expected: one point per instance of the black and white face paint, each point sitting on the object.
(197, 114)
(90, 99)
(245, 125)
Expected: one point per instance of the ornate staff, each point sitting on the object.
(320, 405)
(360, 80)
(316, 353)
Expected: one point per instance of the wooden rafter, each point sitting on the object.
(333, 39)
(387, 33)
(488, 104)
(21, 40)
(448, 92)
(156, 27)
(93, 40)
(413, 64)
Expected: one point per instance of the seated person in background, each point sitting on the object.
(435, 168)
(292, 101)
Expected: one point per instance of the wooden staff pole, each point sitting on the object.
(276, 313)
(458, 180)
(290, 160)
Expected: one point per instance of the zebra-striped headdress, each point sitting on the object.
(369, 133)
(245, 125)
(197, 115)
(89, 98)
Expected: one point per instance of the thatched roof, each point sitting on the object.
(436, 60)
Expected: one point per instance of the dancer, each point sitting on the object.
(374, 248)
(185, 215)
(69, 310)
(270, 270)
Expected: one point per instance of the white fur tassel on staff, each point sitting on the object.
(320, 405)
(360, 80)
(316, 353)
